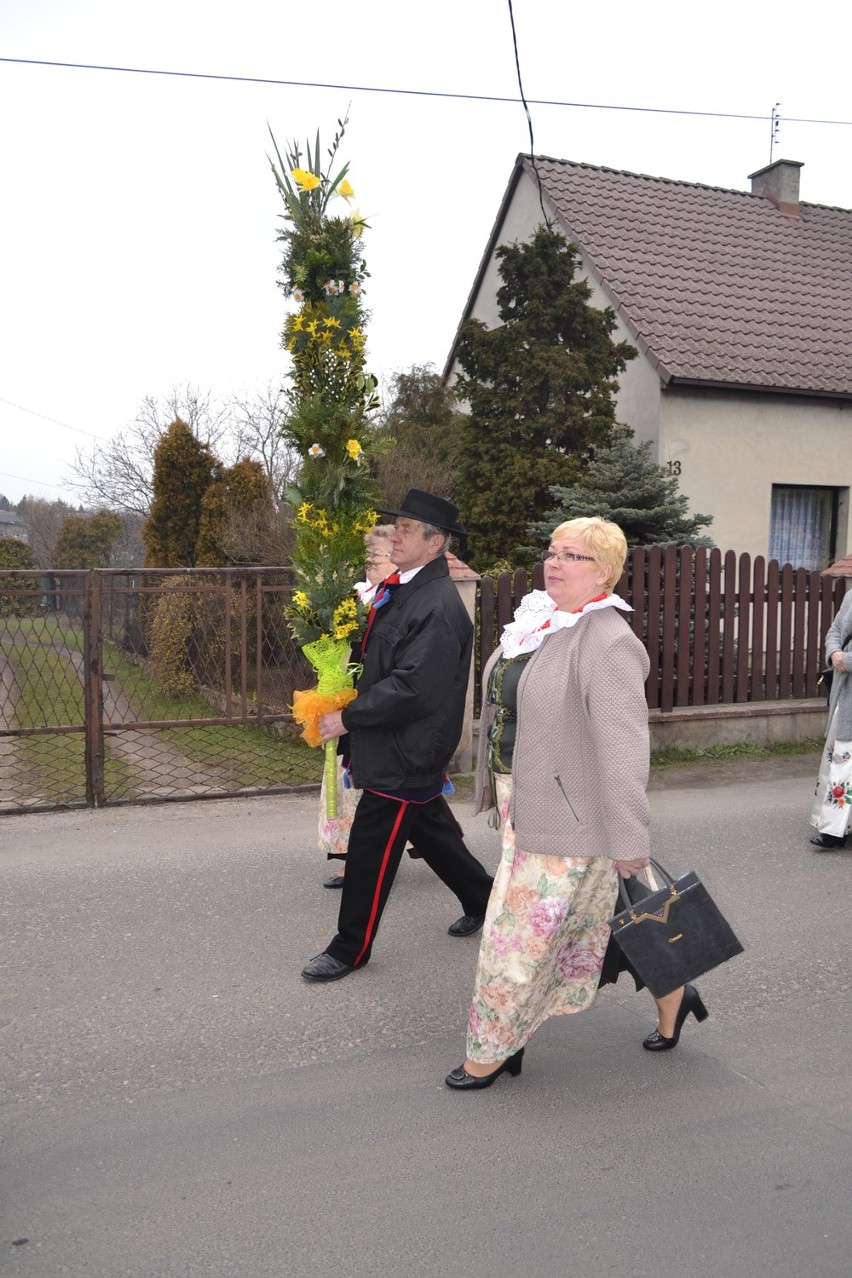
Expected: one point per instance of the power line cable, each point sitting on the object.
(55, 422)
(529, 117)
(43, 483)
(422, 93)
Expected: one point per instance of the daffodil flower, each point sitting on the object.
(305, 180)
(345, 190)
(354, 449)
(316, 451)
(354, 288)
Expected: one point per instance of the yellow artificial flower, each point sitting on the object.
(331, 321)
(300, 599)
(368, 520)
(305, 180)
(345, 189)
(354, 449)
(303, 512)
(344, 631)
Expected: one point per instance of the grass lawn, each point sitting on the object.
(50, 693)
(244, 755)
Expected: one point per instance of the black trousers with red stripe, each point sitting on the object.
(380, 830)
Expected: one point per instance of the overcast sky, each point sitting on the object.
(138, 214)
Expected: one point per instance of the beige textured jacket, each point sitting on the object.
(580, 766)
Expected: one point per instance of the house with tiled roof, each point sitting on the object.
(739, 304)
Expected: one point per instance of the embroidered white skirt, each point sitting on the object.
(833, 794)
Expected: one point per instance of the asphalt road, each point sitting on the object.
(177, 1101)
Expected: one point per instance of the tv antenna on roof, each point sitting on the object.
(776, 128)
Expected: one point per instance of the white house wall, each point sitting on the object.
(732, 447)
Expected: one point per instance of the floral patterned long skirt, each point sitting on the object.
(333, 832)
(833, 794)
(543, 942)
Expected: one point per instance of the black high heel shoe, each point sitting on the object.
(691, 1002)
(460, 1078)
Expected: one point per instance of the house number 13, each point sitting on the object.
(673, 467)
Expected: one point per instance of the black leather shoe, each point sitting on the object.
(336, 881)
(691, 1002)
(462, 1081)
(325, 967)
(466, 925)
(828, 841)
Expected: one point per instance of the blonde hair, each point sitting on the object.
(604, 541)
(379, 533)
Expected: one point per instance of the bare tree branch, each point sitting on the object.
(118, 475)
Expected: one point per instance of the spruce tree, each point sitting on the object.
(623, 483)
(540, 390)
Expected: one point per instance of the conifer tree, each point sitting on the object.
(87, 541)
(540, 389)
(623, 483)
(184, 469)
(243, 491)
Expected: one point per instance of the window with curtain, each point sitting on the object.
(801, 526)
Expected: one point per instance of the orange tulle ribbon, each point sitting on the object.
(309, 705)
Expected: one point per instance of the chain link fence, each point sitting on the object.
(165, 684)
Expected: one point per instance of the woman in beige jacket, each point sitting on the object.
(564, 760)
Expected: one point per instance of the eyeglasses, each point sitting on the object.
(567, 557)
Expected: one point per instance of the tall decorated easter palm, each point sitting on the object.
(331, 399)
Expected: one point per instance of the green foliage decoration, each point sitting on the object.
(332, 397)
(331, 400)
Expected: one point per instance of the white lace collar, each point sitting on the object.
(537, 616)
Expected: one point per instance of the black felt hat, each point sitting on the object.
(430, 509)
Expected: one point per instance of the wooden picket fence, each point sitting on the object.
(719, 628)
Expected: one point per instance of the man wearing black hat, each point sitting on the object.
(403, 727)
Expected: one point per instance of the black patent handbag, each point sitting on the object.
(673, 935)
(824, 682)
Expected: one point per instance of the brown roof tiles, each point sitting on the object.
(717, 286)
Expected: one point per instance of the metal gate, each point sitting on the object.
(123, 687)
